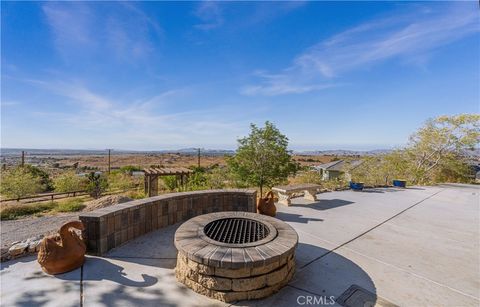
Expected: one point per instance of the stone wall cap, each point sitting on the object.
(138, 203)
(191, 242)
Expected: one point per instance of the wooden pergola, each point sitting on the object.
(152, 174)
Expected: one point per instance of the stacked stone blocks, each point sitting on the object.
(113, 226)
(240, 271)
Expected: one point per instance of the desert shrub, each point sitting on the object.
(97, 184)
(307, 177)
(69, 205)
(129, 169)
(218, 178)
(337, 183)
(380, 170)
(69, 182)
(14, 211)
(19, 182)
(454, 169)
(136, 194)
(44, 177)
(170, 182)
(120, 181)
(197, 180)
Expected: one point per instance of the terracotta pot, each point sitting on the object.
(266, 205)
(58, 256)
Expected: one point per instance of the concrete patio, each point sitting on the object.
(412, 247)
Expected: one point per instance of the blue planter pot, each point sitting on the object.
(356, 186)
(400, 183)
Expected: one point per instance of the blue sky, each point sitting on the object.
(164, 75)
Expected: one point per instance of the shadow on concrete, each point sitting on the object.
(296, 218)
(115, 273)
(381, 190)
(328, 274)
(25, 284)
(7, 264)
(158, 244)
(325, 204)
(371, 191)
(340, 271)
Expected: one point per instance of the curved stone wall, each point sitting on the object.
(113, 226)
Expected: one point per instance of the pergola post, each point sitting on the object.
(152, 174)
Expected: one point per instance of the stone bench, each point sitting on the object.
(286, 192)
(113, 226)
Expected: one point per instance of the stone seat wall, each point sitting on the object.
(113, 226)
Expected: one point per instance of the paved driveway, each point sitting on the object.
(413, 247)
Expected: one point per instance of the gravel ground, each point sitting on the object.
(21, 229)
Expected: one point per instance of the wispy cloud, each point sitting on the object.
(406, 35)
(9, 103)
(210, 15)
(81, 28)
(267, 11)
(279, 84)
(142, 122)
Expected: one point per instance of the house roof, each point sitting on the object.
(339, 165)
(332, 166)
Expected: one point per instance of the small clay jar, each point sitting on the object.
(266, 205)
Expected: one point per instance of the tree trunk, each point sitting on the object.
(261, 190)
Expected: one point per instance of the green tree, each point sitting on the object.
(19, 182)
(262, 158)
(441, 140)
(68, 182)
(97, 184)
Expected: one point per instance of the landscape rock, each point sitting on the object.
(33, 246)
(18, 249)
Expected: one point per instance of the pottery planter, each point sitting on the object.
(399, 183)
(63, 254)
(356, 186)
(266, 205)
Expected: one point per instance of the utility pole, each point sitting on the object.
(109, 150)
(23, 158)
(198, 156)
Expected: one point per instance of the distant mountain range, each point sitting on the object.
(343, 152)
(5, 152)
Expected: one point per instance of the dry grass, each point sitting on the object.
(14, 211)
(168, 160)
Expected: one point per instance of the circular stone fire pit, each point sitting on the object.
(232, 256)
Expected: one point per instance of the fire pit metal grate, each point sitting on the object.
(236, 230)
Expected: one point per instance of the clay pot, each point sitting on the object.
(60, 255)
(266, 205)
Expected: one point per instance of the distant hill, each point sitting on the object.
(343, 152)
